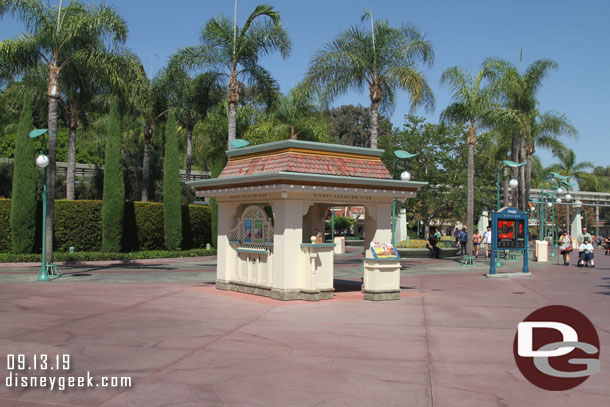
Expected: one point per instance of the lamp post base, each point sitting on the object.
(43, 276)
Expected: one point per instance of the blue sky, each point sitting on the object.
(463, 33)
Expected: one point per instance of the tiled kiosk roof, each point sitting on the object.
(306, 163)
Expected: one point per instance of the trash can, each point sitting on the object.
(339, 244)
(542, 251)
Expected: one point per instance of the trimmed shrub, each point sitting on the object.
(23, 211)
(78, 224)
(103, 256)
(5, 225)
(172, 194)
(114, 185)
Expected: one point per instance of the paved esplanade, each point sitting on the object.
(447, 342)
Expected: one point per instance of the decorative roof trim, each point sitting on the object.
(306, 145)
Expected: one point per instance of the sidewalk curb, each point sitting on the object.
(113, 262)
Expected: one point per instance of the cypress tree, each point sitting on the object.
(113, 203)
(23, 205)
(172, 194)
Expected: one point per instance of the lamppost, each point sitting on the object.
(513, 183)
(42, 161)
(562, 181)
(404, 176)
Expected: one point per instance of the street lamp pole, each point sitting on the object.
(404, 176)
(42, 161)
(513, 182)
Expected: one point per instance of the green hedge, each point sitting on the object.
(5, 225)
(101, 256)
(79, 224)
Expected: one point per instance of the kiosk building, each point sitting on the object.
(273, 200)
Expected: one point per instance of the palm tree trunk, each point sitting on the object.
(472, 138)
(71, 169)
(53, 95)
(514, 155)
(233, 99)
(374, 124)
(148, 134)
(189, 153)
(470, 207)
(528, 177)
(522, 156)
(506, 188)
(232, 123)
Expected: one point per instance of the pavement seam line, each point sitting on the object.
(423, 299)
(192, 351)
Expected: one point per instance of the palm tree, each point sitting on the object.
(191, 99)
(294, 116)
(471, 103)
(57, 37)
(385, 60)
(567, 164)
(83, 81)
(234, 52)
(544, 130)
(519, 92)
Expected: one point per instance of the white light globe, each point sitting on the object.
(568, 197)
(42, 161)
(513, 183)
(560, 190)
(550, 204)
(533, 208)
(558, 200)
(405, 175)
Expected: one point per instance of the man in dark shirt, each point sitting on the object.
(433, 245)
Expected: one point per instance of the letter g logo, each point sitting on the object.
(553, 344)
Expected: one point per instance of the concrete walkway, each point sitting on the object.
(447, 342)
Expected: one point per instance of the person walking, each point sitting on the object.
(476, 242)
(433, 245)
(463, 241)
(456, 235)
(565, 247)
(584, 235)
(487, 242)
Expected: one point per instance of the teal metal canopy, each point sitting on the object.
(37, 133)
(513, 164)
(403, 154)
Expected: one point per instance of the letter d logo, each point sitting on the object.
(525, 332)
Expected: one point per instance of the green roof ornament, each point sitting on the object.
(239, 143)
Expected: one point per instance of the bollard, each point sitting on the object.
(71, 249)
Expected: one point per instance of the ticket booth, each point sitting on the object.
(273, 200)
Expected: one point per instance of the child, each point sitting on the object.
(565, 247)
(476, 241)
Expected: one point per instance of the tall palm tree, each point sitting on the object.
(83, 81)
(385, 60)
(234, 52)
(191, 99)
(471, 103)
(519, 91)
(567, 164)
(57, 37)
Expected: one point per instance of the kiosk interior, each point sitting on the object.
(273, 200)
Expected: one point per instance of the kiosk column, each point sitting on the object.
(288, 218)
